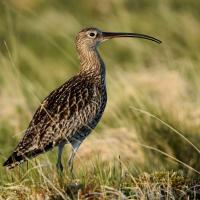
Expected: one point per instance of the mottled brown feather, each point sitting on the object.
(69, 113)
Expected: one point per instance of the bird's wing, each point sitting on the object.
(56, 117)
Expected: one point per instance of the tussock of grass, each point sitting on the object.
(101, 182)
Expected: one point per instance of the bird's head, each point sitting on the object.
(92, 37)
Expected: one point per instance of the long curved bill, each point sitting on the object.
(110, 35)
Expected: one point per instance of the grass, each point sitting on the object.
(147, 144)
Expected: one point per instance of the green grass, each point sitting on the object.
(147, 144)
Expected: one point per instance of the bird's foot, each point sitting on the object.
(73, 188)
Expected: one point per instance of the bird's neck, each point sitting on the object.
(92, 63)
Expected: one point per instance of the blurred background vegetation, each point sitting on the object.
(37, 54)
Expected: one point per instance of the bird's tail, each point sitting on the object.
(16, 159)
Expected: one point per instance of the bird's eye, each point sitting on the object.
(92, 34)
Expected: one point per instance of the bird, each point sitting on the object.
(70, 112)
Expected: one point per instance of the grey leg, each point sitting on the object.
(75, 147)
(59, 160)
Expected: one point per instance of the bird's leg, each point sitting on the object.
(71, 158)
(59, 165)
(75, 147)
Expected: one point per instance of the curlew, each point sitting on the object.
(71, 112)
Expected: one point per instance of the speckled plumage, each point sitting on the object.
(68, 114)
(71, 111)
